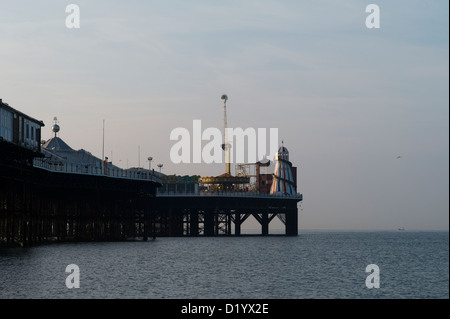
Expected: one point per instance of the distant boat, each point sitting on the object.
(401, 228)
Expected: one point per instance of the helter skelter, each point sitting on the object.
(283, 180)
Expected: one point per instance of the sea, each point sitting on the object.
(313, 265)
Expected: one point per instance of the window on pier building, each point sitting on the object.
(6, 125)
(31, 134)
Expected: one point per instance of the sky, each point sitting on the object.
(364, 112)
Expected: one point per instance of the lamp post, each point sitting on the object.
(150, 163)
(160, 167)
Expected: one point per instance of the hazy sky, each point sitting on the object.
(347, 100)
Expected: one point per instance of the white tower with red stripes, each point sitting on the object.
(283, 180)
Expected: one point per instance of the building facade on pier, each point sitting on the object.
(19, 129)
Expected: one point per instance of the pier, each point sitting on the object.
(52, 193)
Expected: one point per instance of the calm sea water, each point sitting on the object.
(313, 265)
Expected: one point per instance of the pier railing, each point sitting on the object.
(115, 172)
(230, 194)
(95, 170)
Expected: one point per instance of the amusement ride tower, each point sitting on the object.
(283, 180)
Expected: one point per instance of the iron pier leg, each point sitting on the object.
(292, 221)
(209, 222)
(237, 223)
(265, 223)
(194, 222)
